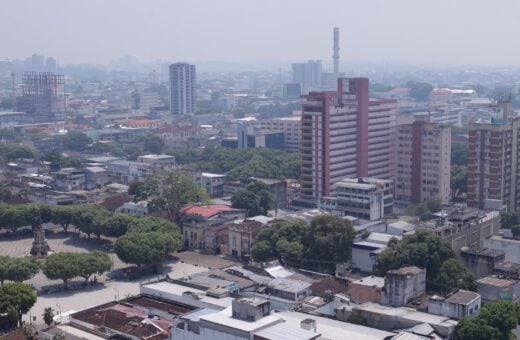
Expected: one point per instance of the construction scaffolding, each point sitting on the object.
(43, 94)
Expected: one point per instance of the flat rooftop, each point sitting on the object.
(406, 313)
(495, 281)
(225, 318)
(371, 281)
(334, 329)
(177, 289)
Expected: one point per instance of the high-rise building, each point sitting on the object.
(423, 158)
(493, 162)
(50, 64)
(37, 62)
(182, 88)
(290, 126)
(308, 75)
(43, 95)
(344, 135)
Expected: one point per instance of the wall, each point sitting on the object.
(510, 247)
(363, 293)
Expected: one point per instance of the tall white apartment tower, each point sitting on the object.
(182, 88)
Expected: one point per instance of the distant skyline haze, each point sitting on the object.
(473, 32)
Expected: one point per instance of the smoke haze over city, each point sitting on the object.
(399, 31)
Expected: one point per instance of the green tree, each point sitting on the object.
(62, 266)
(48, 316)
(12, 217)
(507, 220)
(516, 231)
(475, 329)
(76, 141)
(422, 249)
(168, 191)
(93, 263)
(459, 154)
(22, 269)
(500, 315)
(282, 239)
(453, 275)
(63, 215)
(459, 178)
(247, 200)
(91, 220)
(330, 238)
(16, 299)
(425, 209)
(5, 262)
(36, 214)
(55, 158)
(262, 191)
(117, 224)
(153, 224)
(146, 248)
(420, 91)
(5, 192)
(153, 144)
(59, 336)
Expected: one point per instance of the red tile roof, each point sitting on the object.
(206, 210)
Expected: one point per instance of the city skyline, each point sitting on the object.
(403, 31)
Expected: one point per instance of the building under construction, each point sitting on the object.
(43, 95)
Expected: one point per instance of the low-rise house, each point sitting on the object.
(241, 236)
(289, 289)
(96, 177)
(494, 288)
(278, 189)
(366, 198)
(199, 219)
(160, 162)
(399, 228)
(213, 285)
(364, 255)
(126, 172)
(458, 305)
(134, 208)
(508, 245)
(212, 183)
(367, 289)
(138, 317)
(403, 285)
(397, 318)
(70, 179)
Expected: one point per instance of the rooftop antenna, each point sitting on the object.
(335, 56)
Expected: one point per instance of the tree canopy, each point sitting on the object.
(328, 239)
(496, 321)
(426, 250)
(16, 299)
(62, 266)
(17, 269)
(146, 248)
(241, 163)
(76, 141)
(167, 191)
(419, 90)
(425, 210)
(66, 266)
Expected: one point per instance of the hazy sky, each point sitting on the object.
(417, 31)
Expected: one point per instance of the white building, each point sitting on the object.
(308, 75)
(509, 246)
(366, 198)
(461, 304)
(290, 126)
(182, 88)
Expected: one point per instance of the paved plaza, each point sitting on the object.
(109, 286)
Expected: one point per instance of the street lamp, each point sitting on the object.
(59, 310)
